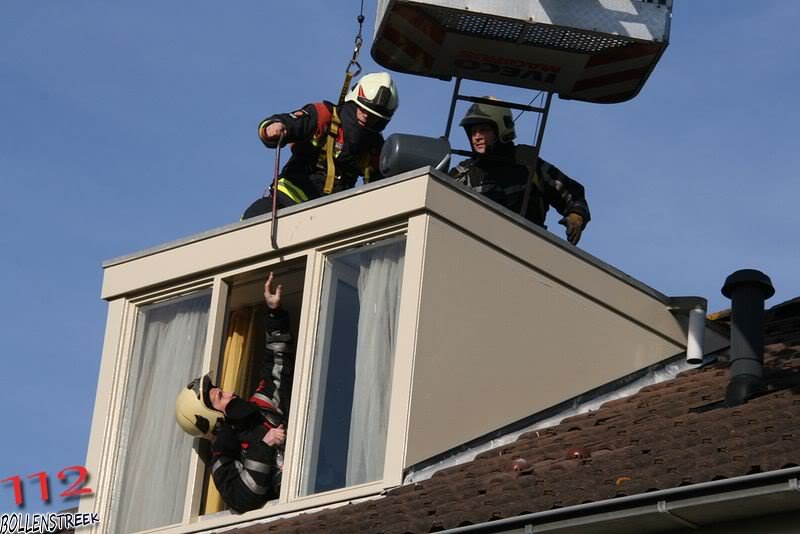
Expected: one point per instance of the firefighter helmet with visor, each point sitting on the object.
(375, 93)
(194, 412)
(498, 116)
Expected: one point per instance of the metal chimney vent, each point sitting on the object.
(747, 289)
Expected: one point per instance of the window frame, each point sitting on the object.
(225, 282)
(312, 354)
(128, 314)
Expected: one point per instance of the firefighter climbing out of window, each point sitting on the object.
(247, 435)
(332, 145)
(501, 169)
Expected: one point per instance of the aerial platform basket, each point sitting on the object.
(591, 50)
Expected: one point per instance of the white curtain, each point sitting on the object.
(379, 282)
(154, 452)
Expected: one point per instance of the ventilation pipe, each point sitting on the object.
(697, 335)
(695, 342)
(747, 289)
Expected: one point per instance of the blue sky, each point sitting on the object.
(123, 126)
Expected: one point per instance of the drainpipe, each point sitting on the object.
(747, 289)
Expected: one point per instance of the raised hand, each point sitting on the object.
(272, 298)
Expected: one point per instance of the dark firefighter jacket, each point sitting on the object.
(503, 174)
(243, 467)
(356, 150)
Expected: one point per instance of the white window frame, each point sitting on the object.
(311, 353)
(110, 458)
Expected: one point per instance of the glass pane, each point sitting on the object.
(154, 452)
(351, 382)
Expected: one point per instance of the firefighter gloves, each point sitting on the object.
(574, 224)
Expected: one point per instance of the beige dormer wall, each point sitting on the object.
(498, 320)
(512, 322)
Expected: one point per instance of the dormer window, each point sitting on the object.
(424, 317)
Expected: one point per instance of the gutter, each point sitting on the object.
(682, 507)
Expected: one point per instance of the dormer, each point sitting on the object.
(425, 317)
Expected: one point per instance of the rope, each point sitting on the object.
(529, 103)
(538, 115)
(273, 234)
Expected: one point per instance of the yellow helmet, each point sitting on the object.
(375, 93)
(194, 412)
(498, 116)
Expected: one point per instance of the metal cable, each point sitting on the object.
(529, 103)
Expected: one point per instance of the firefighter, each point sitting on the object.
(501, 169)
(331, 145)
(247, 435)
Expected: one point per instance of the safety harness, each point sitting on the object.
(332, 123)
(327, 140)
(285, 186)
(328, 126)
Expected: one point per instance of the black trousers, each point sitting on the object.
(264, 205)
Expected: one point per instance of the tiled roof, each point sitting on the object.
(667, 435)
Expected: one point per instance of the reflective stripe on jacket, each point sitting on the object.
(243, 466)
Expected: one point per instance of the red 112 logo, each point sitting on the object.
(74, 490)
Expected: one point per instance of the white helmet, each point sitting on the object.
(375, 93)
(194, 412)
(499, 117)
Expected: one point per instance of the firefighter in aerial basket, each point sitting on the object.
(501, 170)
(331, 145)
(247, 436)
